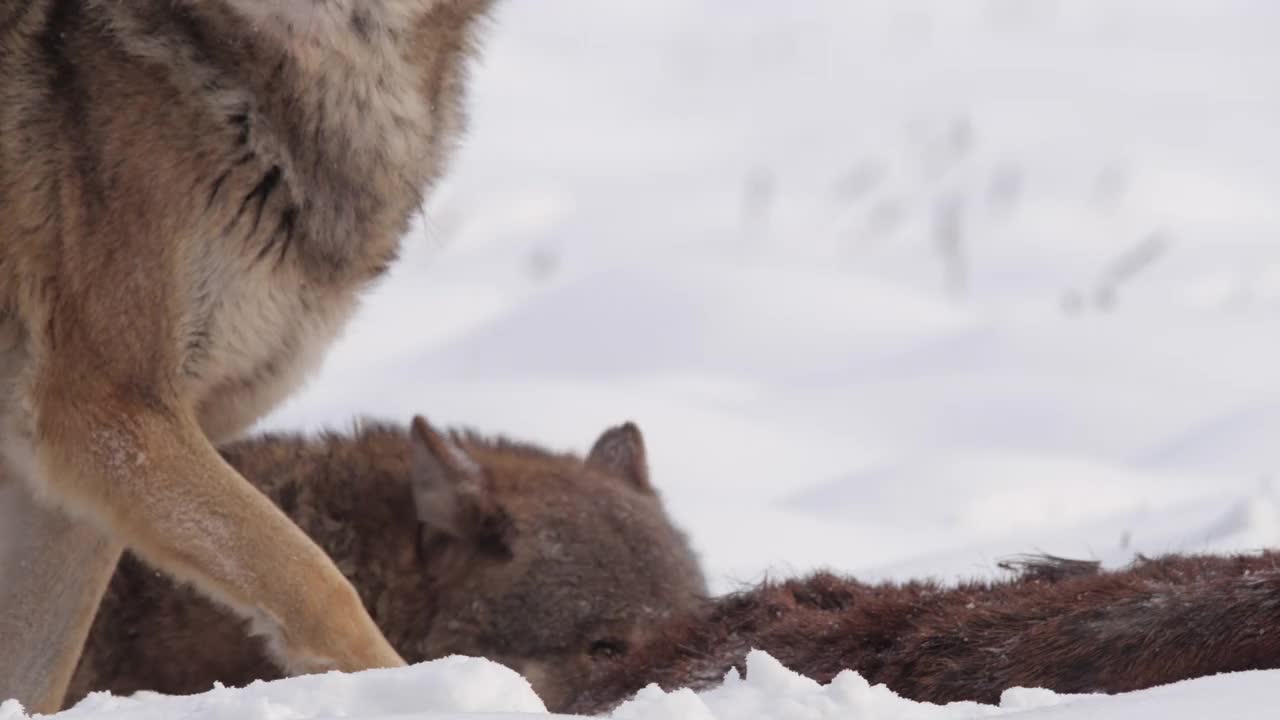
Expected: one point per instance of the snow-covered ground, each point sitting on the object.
(910, 283)
(472, 689)
(897, 287)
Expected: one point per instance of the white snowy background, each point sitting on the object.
(895, 287)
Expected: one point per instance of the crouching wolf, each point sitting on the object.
(552, 564)
(192, 195)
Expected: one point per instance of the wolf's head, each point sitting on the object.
(553, 565)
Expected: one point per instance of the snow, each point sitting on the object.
(914, 285)
(774, 693)
(470, 686)
(479, 690)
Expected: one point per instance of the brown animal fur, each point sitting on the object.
(1061, 625)
(192, 195)
(548, 563)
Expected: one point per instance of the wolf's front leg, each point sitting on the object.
(143, 469)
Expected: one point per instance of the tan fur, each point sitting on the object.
(551, 564)
(192, 195)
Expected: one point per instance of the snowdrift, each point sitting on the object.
(472, 689)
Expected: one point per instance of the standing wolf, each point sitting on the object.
(192, 195)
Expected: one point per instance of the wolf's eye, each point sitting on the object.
(608, 649)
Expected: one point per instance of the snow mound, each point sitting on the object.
(452, 686)
(772, 692)
(466, 688)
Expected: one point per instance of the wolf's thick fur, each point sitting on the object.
(549, 563)
(1062, 625)
(192, 195)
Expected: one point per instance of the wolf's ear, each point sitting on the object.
(620, 452)
(451, 495)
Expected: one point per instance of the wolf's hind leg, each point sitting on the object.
(53, 572)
